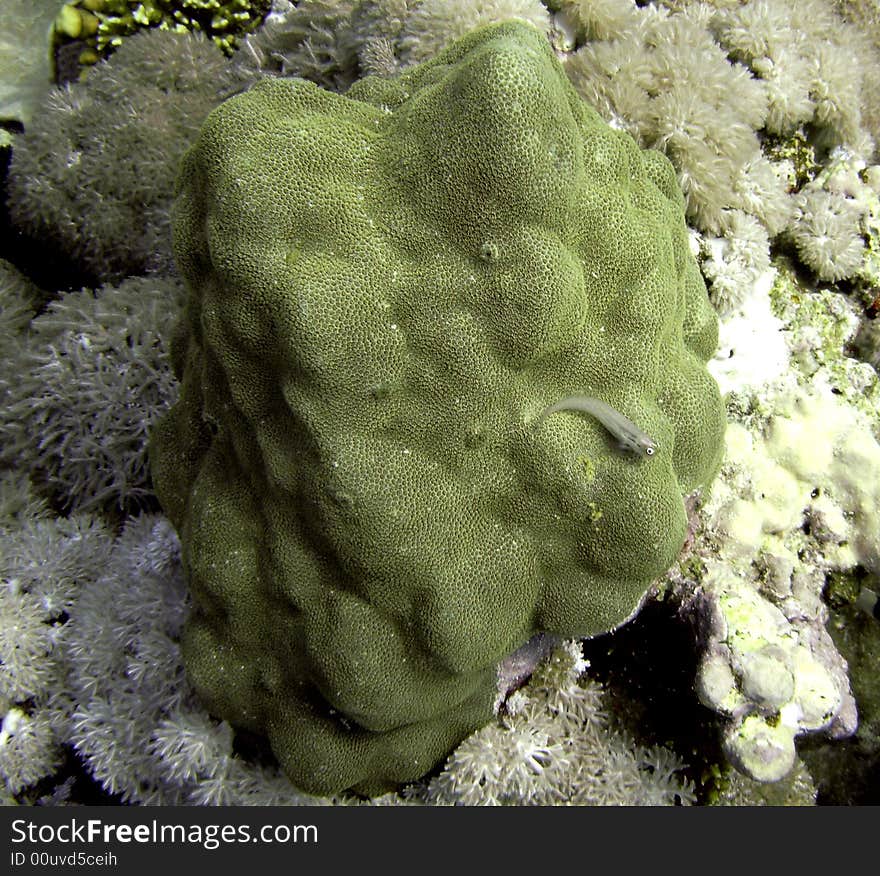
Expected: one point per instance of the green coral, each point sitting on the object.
(386, 290)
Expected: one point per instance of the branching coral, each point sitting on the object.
(43, 563)
(86, 375)
(87, 382)
(553, 744)
(95, 171)
(702, 82)
(125, 706)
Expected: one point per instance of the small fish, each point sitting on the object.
(629, 436)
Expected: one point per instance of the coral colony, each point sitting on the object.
(384, 356)
(371, 520)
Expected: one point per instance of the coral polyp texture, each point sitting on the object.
(387, 289)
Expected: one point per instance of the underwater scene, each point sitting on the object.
(429, 402)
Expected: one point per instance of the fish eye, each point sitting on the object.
(649, 451)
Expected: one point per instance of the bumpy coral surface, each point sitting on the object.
(386, 291)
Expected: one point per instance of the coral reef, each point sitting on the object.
(82, 387)
(43, 559)
(796, 503)
(94, 172)
(553, 744)
(533, 252)
(768, 111)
